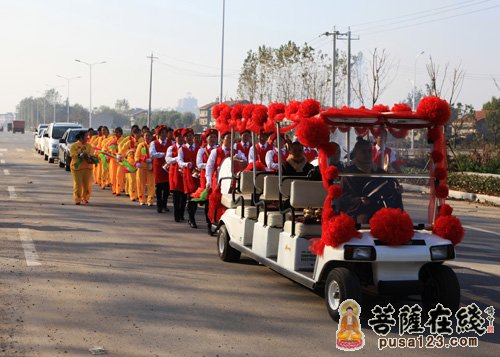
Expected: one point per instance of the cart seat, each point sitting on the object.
(259, 181)
(249, 212)
(246, 182)
(274, 219)
(303, 230)
(271, 191)
(227, 200)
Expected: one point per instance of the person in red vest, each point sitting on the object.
(262, 147)
(217, 156)
(157, 151)
(244, 144)
(190, 174)
(383, 161)
(186, 160)
(211, 136)
(175, 176)
(272, 155)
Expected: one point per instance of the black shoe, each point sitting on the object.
(193, 224)
(209, 229)
(177, 219)
(166, 209)
(159, 210)
(183, 219)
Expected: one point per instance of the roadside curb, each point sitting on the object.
(458, 195)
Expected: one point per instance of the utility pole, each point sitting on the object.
(152, 58)
(222, 53)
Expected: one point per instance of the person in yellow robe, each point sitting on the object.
(94, 141)
(82, 163)
(104, 160)
(127, 151)
(145, 176)
(111, 145)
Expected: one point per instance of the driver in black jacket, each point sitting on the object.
(363, 196)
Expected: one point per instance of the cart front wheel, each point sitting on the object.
(440, 285)
(226, 252)
(341, 284)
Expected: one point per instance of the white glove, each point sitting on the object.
(189, 164)
(138, 165)
(148, 161)
(119, 157)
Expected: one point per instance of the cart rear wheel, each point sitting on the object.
(341, 284)
(226, 252)
(440, 285)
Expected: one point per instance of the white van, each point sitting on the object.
(50, 143)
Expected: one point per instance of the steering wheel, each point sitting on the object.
(383, 192)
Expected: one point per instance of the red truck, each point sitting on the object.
(18, 126)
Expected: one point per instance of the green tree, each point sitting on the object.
(492, 109)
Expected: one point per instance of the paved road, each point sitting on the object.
(118, 275)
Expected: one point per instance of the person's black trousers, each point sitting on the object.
(179, 199)
(162, 193)
(191, 208)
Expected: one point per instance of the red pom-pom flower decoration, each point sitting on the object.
(309, 108)
(449, 227)
(313, 132)
(435, 109)
(442, 191)
(392, 226)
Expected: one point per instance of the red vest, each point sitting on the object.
(203, 178)
(221, 156)
(161, 175)
(190, 155)
(261, 153)
(377, 157)
(174, 175)
(244, 149)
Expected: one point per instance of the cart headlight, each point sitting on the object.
(359, 252)
(442, 252)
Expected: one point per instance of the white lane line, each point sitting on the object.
(6, 172)
(12, 192)
(1, 153)
(20, 150)
(2, 162)
(482, 230)
(32, 258)
(3, 150)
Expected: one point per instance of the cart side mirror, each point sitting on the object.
(62, 141)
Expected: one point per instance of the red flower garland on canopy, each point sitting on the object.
(436, 156)
(442, 191)
(276, 111)
(440, 173)
(309, 108)
(401, 107)
(313, 132)
(291, 110)
(392, 226)
(381, 108)
(258, 118)
(436, 109)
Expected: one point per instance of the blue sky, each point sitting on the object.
(41, 39)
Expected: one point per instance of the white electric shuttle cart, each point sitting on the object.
(264, 221)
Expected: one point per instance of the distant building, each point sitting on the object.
(188, 104)
(206, 120)
(473, 125)
(102, 119)
(136, 113)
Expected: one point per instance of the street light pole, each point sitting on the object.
(150, 87)
(413, 95)
(222, 53)
(67, 96)
(90, 71)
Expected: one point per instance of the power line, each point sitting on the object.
(452, 6)
(399, 21)
(430, 21)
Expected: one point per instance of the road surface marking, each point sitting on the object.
(6, 172)
(20, 150)
(482, 230)
(12, 192)
(3, 150)
(1, 153)
(2, 162)
(30, 253)
(484, 268)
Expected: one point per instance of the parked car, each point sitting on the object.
(39, 140)
(37, 135)
(55, 131)
(64, 145)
